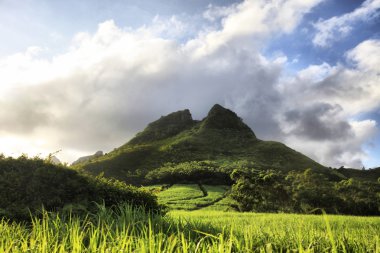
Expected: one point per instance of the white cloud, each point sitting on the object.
(214, 13)
(111, 83)
(249, 23)
(337, 27)
(316, 73)
(366, 56)
(325, 99)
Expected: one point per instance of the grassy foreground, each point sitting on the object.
(129, 230)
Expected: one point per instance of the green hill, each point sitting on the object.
(221, 137)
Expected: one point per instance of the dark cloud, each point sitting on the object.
(319, 122)
(22, 114)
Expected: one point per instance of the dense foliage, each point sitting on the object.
(196, 171)
(261, 191)
(28, 185)
(304, 191)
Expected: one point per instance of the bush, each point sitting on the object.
(29, 185)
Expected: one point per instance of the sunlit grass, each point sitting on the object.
(191, 197)
(225, 204)
(292, 231)
(132, 230)
(181, 196)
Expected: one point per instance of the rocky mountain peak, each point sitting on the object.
(222, 118)
(165, 127)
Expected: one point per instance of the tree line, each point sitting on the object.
(305, 191)
(268, 190)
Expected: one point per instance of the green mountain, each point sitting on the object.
(221, 137)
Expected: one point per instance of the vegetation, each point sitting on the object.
(130, 229)
(181, 192)
(258, 232)
(215, 164)
(304, 191)
(301, 191)
(165, 127)
(221, 138)
(28, 185)
(213, 194)
(361, 175)
(196, 171)
(226, 204)
(192, 196)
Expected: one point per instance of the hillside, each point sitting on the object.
(366, 175)
(88, 158)
(221, 137)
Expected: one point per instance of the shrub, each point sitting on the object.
(28, 185)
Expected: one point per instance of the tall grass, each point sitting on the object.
(125, 229)
(283, 232)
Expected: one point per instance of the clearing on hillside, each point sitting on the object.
(194, 197)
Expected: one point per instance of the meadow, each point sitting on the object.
(127, 229)
(192, 222)
(130, 229)
(193, 196)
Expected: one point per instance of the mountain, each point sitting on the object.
(221, 137)
(165, 127)
(55, 160)
(87, 158)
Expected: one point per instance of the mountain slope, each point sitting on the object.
(221, 137)
(88, 158)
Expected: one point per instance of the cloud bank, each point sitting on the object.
(110, 84)
(330, 30)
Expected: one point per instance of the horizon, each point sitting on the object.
(82, 77)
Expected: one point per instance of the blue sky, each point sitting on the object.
(81, 76)
(299, 43)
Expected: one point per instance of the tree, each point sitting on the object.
(311, 190)
(259, 191)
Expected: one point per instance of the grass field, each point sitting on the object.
(181, 196)
(193, 196)
(281, 232)
(225, 204)
(131, 230)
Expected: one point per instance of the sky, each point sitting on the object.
(82, 76)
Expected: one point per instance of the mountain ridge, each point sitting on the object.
(221, 118)
(165, 127)
(87, 158)
(221, 136)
